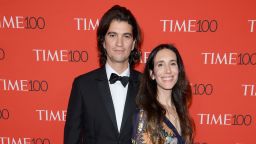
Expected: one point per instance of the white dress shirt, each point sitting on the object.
(118, 94)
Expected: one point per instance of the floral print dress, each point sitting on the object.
(168, 131)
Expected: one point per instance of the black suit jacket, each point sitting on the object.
(90, 115)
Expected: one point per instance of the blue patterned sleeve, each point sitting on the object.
(139, 126)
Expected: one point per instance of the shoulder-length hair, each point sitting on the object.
(121, 14)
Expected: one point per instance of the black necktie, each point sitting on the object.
(123, 79)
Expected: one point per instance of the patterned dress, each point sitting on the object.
(168, 131)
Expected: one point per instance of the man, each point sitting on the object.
(102, 103)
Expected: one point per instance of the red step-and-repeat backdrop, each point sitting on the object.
(45, 44)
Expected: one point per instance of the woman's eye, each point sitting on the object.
(159, 65)
(173, 63)
(111, 35)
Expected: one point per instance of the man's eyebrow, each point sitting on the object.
(128, 33)
(111, 32)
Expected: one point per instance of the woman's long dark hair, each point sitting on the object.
(181, 97)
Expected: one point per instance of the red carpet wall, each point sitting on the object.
(45, 44)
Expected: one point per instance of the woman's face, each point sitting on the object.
(165, 70)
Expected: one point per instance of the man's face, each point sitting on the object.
(119, 42)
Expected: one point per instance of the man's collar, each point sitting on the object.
(110, 70)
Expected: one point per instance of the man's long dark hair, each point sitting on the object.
(120, 14)
(181, 97)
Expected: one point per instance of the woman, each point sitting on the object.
(164, 98)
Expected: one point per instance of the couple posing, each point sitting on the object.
(115, 104)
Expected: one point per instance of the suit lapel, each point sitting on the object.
(130, 98)
(106, 96)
